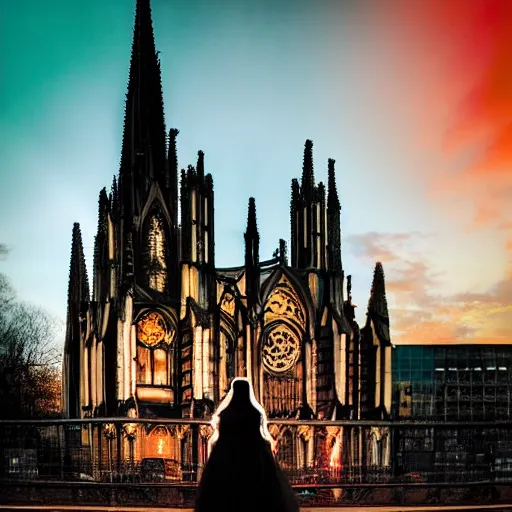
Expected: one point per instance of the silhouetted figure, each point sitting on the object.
(241, 474)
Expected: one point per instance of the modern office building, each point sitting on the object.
(458, 384)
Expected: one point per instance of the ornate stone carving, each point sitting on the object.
(182, 431)
(130, 430)
(274, 430)
(305, 431)
(228, 304)
(157, 247)
(332, 432)
(284, 302)
(152, 330)
(281, 349)
(378, 433)
(109, 430)
(205, 431)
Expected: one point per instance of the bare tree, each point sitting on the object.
(29, 358)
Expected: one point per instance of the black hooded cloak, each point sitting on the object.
(241, 474)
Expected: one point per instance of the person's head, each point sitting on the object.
(241, 390)
(241, 394)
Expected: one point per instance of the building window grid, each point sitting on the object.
(468, 385)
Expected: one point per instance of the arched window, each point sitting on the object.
(155, 351)
(156, 247)
(159, 443)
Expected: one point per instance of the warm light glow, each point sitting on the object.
(160, 367)
(157, 256)
(151, 329)
(158, 443)
(335, 461)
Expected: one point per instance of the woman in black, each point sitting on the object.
(241, 474)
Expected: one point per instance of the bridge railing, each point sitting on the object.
(312, 454)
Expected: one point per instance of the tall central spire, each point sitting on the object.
(144, 126)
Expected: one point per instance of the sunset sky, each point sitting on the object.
(412, 98)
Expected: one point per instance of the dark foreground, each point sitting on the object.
(31, 495)
(486, 508)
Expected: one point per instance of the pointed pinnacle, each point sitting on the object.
(295, 199)
(171, 150)
(378, 301)
(252, 226)
(308, 178)
(200, 166)
(332, 194)
(78, 288)
(144, 125)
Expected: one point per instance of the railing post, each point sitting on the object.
(395, 446)
(119, 448)
(61, 457)
(130, 430)
(98, 435)
(195, 450)
(364, 457)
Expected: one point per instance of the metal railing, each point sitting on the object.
(325, 461)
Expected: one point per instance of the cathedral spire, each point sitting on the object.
(332, 197)
(252, 227)
(252, 237)
(78, 289)
(172, 171)
(308, 177)
(78, 293)
(378, 304)
(333, 222)
(294, 207)
(100, 241)
(144, 127)
(252, 250)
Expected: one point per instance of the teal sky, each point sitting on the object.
(247, 83)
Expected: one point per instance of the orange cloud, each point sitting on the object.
(420, 314)
(482, 125)
(455, 61)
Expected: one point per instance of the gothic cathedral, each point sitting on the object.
(164, 331)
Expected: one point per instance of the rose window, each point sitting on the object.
(152, 329)
(281, 349)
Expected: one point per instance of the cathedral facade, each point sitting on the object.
(162, 331)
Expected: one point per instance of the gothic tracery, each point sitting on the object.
(156, 257)
(281, 349)
(283, 302)
(152, 329)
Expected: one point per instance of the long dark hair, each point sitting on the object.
(225, 403)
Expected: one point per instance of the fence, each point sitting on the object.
(326, 461)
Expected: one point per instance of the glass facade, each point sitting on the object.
(452, 382)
